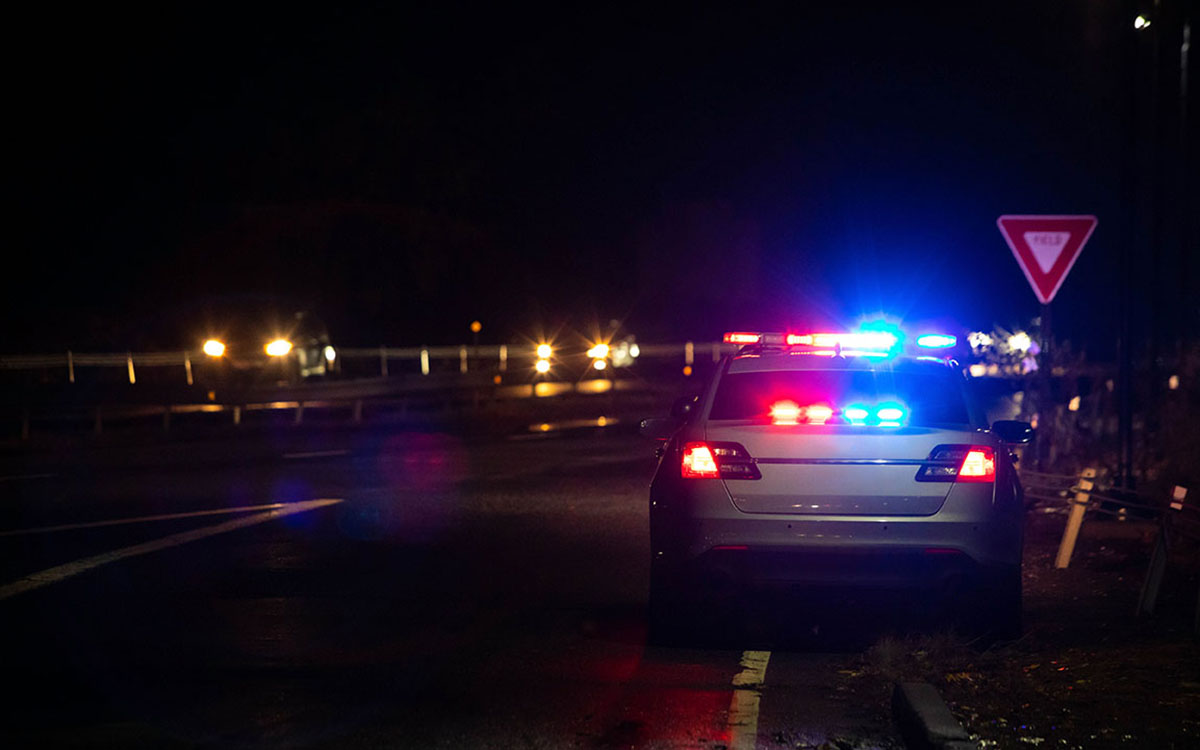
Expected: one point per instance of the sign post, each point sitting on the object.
(1046, 247)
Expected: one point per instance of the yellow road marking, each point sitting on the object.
(743, 709)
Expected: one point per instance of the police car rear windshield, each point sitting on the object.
(927, 398)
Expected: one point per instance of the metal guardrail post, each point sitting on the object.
(187, 366)
(299, 413)
(424, 361)
(1148, 598)
(383, 365)
(503, 358)
(70, 366)
(462, 359)
(129, 364)
(1075, 520)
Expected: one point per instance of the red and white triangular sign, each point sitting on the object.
(1046, 247)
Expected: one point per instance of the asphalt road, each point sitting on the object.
(374, 587)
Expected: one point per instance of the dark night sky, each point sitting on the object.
(404, 171)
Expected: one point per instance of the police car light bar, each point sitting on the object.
(866, 340)
(868, 343)
(936, 340)
(743, 338)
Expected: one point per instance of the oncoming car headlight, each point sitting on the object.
(214, 348)
(279, 347)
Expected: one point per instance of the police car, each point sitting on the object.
(851, 460)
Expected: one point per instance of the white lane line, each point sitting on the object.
(19, 477)
(63, 572)
(743, 709)
(317, 454)
(140, 519)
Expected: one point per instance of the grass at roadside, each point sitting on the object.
(1086, 674)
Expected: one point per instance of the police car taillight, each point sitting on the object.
(699, 462)
(959, 463)
(717, 460)
(979, 465)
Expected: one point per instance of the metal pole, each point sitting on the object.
(1048, 417)
(1125, 266)
(1187, 219)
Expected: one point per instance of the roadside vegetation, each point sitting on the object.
(1087, 672)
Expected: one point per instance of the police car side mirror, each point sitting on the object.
(659, 428)
(1012, 431)
(682, 408)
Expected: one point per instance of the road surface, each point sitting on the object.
(373, 587)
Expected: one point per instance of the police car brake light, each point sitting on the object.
(698, 462)
(959, 463)
(979, 465)
(717, 460)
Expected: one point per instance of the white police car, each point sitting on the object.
(836, 461)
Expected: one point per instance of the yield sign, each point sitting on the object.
(1046, 247)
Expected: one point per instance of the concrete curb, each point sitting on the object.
(924, 721)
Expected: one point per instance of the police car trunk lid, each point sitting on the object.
(839, 470)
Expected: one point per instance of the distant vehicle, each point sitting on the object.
(578, 362)
(835, 461)
(257, 339)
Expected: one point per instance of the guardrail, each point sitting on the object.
(468, 357)
(1176, 524)
(1179, 525)
(74, 387)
